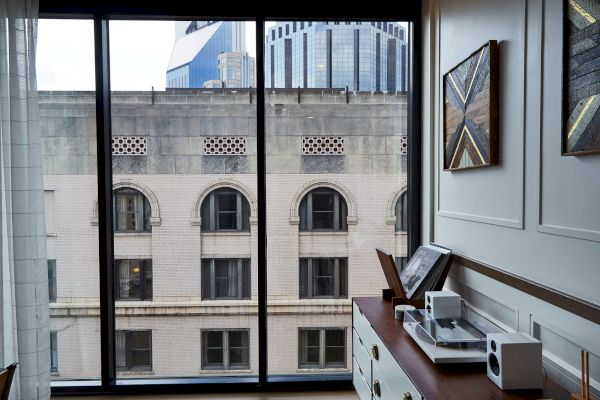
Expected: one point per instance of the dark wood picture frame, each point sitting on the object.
(588, 91)
(490, 72)
(391, 273)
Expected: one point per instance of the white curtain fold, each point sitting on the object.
(24, 330)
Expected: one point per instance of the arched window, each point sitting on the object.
(402, 213)
(225, 209)
(132, 211)
(323, 209)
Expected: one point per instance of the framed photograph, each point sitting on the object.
(581, 78)
(470, 116)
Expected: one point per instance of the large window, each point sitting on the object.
(134, 279)
(132, 211)
(225, 278)
(323, 277)
(323, 209)
(225, 349)
(241, 208)
(134, 350)
(322, 348)
(225, 209)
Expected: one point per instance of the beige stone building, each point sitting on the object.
(186, 244)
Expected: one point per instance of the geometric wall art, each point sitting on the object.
(581, 77)
(471, 111)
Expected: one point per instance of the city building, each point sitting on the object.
(195, 56)
(185, 221)
(363, 56)
(236, 70)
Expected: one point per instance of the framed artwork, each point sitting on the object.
(470, 118)
(581, 77)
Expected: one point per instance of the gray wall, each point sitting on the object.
(536, 214)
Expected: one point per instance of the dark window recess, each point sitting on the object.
(391, 65)
(323, 209)
(329, 59)
(288, 63)
(357, 59)
(287, 29)
(279, 32)
(53, 352)
(323, 278)
(272, 66)
(302, 25)
(309, 23)
(132, 211)
(225, 278)
(225, 209)
(322, 348)
(402, 213)
(226, 349)
(133, 350)
(378, 61)
(52, 281)
(294, 26)
(305, 59)
(272, 34)
(133, 280)
(379, 25)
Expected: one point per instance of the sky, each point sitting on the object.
(139, 53)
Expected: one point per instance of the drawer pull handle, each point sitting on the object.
(407, 396)
(375, 352)
(377, 388)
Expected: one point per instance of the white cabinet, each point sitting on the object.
(376, 374)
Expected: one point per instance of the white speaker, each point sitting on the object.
(514, 361)
(443, 304)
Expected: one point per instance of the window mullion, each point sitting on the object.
(213, 278)
(336, 278)
(309, 212)
(238, 211)
(336, 211)
(322, 348)
(213, 212)
(309, 274)
(225, 349)
(240, 280)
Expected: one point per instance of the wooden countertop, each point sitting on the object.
(441, 381)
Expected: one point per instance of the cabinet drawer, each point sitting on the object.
(360, 382)
(362, 356)
(382, 392)
(361, 326)
(385, 369)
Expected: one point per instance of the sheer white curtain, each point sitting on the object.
(24, 333)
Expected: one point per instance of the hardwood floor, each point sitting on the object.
(342, 395)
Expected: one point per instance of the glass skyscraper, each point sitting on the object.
(195, 56)
(365, 56)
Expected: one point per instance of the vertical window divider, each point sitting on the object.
(262, 203)
(105, 206)
(213, 279)
(336, 278)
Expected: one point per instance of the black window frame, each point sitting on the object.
(141, 216)
(211, 212)
(322, 364)
(101, 13)
(338, 211)
(129, 349)
(308, 271)
(226, 364)
(145, 282)
(209, 280)
(401, 212)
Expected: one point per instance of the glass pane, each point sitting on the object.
(336, 161)
(184, 139)
(65, 80)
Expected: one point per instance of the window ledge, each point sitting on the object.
(323, 233)
(51, 234)
(321, 370)
(401, 233)
(232, 233)
(134, 372)
(131, 234)
(225, 371)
